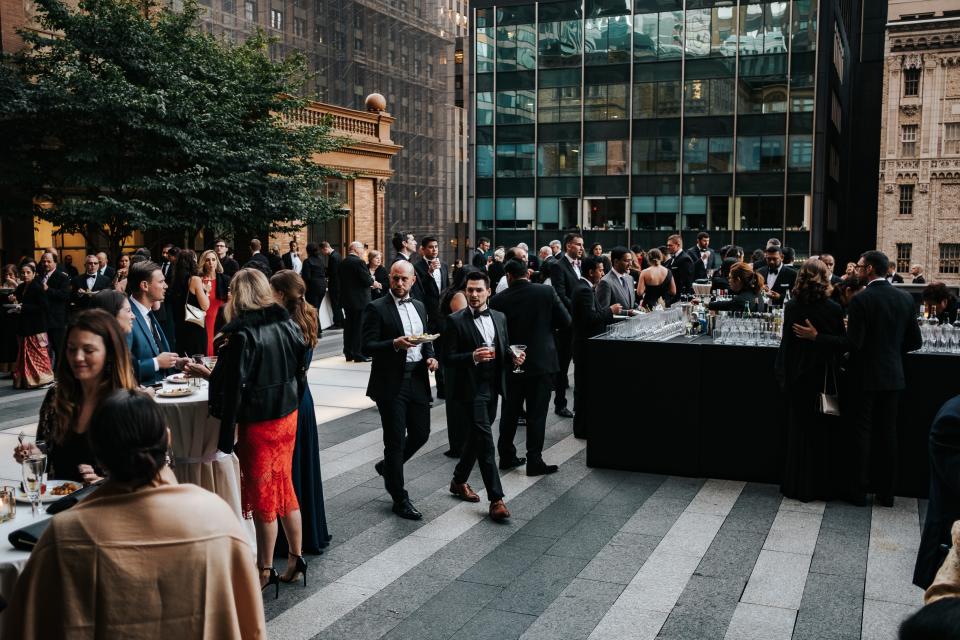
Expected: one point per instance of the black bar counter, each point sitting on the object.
(706, 410)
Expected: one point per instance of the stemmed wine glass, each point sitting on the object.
(516, 350)
(33, 470)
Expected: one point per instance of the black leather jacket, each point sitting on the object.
(260, 374)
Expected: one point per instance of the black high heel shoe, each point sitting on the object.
(300, 569)
(274, 579)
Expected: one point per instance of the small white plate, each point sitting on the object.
(177, 378)
(180, 392)
(47, 496)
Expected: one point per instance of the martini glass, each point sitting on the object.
(516, 350)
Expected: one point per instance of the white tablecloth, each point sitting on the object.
(195, 436)
(11, 560)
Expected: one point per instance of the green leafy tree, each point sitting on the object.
(133, 119)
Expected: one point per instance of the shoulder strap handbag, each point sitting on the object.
(195, 315)
(828, 403)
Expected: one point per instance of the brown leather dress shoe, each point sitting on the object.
(464, 492)
(498, 511)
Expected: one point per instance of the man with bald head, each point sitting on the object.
(355, 283)
(399, 378)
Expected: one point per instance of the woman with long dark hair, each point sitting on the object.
(289, 291)
(746, 285)
(96, 362)
(146, 557)
(804, 368)
(255, 390)
(188, 289)
(33, 368)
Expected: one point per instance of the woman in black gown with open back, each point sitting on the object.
(811, 468)
(655, 282)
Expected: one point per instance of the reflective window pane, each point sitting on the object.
(594, 158)
(516, 47)
(607, 40)
(801, 152)
(484, 107)
(484, 160)
(723, 31)
(558, 159)
(721, 155)
(748, 153)
(605, 102)
(698, 33)
(485, 44)
(803, 31)
(559, 43)
(695, 155)
(516, 107)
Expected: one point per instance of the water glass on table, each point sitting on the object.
(34, 469)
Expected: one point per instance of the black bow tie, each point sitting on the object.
(774, 272)
(406, 300)
(477, 314)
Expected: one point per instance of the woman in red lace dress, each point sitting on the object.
(255, 390)
(215, 284)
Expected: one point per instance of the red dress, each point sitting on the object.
(265, 450)
(211, 319)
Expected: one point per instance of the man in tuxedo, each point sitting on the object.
(291, 259)
(56, 288)
(476, 347)
(89, 283)
(355, 281)
(399, 382)
(778, 279)
(152, 357)
(105, 269)
(230, 266)
(168, 255)
(590, 318)
(257, 260)
(881, 329)
(618, 287)
(333, 282)
(916, 272)
(533, 313)
(892, 276)
(704, 257)
(564, 274)
(681, 266)
(432, 280)
(479, 259)
(405, 244)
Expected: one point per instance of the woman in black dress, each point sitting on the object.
(655, 282)
(96, 363)
(187, 288)
(746, 286)
(802, 367)
(378, 273)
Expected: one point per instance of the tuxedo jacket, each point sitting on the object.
(461, 338)
(259, 262)
(590, 318)
(682, 268)
(355, 281)
(144, 347)
(429, 292)
(381, 326)
(288, 260)
(786, 279)
(80, 282)
(563, 279)
(275, 262)
(58, 295)
(333, 271)
(532, 312)
(609, 291)
(699, 268)
(479, 259)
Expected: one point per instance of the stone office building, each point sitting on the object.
(919, 201)
(630, 120)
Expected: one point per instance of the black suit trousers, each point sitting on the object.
(478, 448)
(55, 339)
(352, 332)
(873, 432)
(406, 426)
(564, 340)
(335, 308)
(535, 391)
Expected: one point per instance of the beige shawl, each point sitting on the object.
(160, 562)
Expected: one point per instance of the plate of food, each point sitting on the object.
(177, 392)
(51, 491)
(177, 378)
(423, 338)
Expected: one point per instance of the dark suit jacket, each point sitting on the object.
(259, 262)
(315, 278)
(355, 281)
(80, 282)
(108, 272)
(944, 507)
(230, 266)
(801, 362)
(429, 291)
(700, 269)
(545, 267)
(287, 259)
(58, 295)
(144, 348)
(682, 268)
(333, 271)
(589, 318)
(919, 280)
(563, 279)
(461, 338)
(896, 277)
(533, 311)
(786, 279)
(479, 259)
(381, 326)
(275, 261)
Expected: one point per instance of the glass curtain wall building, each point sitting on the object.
(633, 120)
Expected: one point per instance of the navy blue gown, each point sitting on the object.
(306, 480)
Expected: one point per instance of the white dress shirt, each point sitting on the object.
(412, 325)
(772, 277)
(297, 262)
(91, 280)
(438, 278)
(501, 285)
(484, 325)
(574, 264)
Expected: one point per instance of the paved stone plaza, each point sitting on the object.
(588, 553)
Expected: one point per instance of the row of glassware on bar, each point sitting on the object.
(939, 338)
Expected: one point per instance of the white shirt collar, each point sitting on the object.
(144, 311)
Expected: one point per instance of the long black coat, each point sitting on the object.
(801, 364)
(533, 311)
(315, 278)
(355, 281)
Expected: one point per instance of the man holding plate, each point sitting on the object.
(399, 382)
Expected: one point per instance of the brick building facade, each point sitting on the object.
(919, 195)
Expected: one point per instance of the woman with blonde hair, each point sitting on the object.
(255, 391)
(289, 290)
(803, 369)
(96, 362)
(655, 282)
(215, 285)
